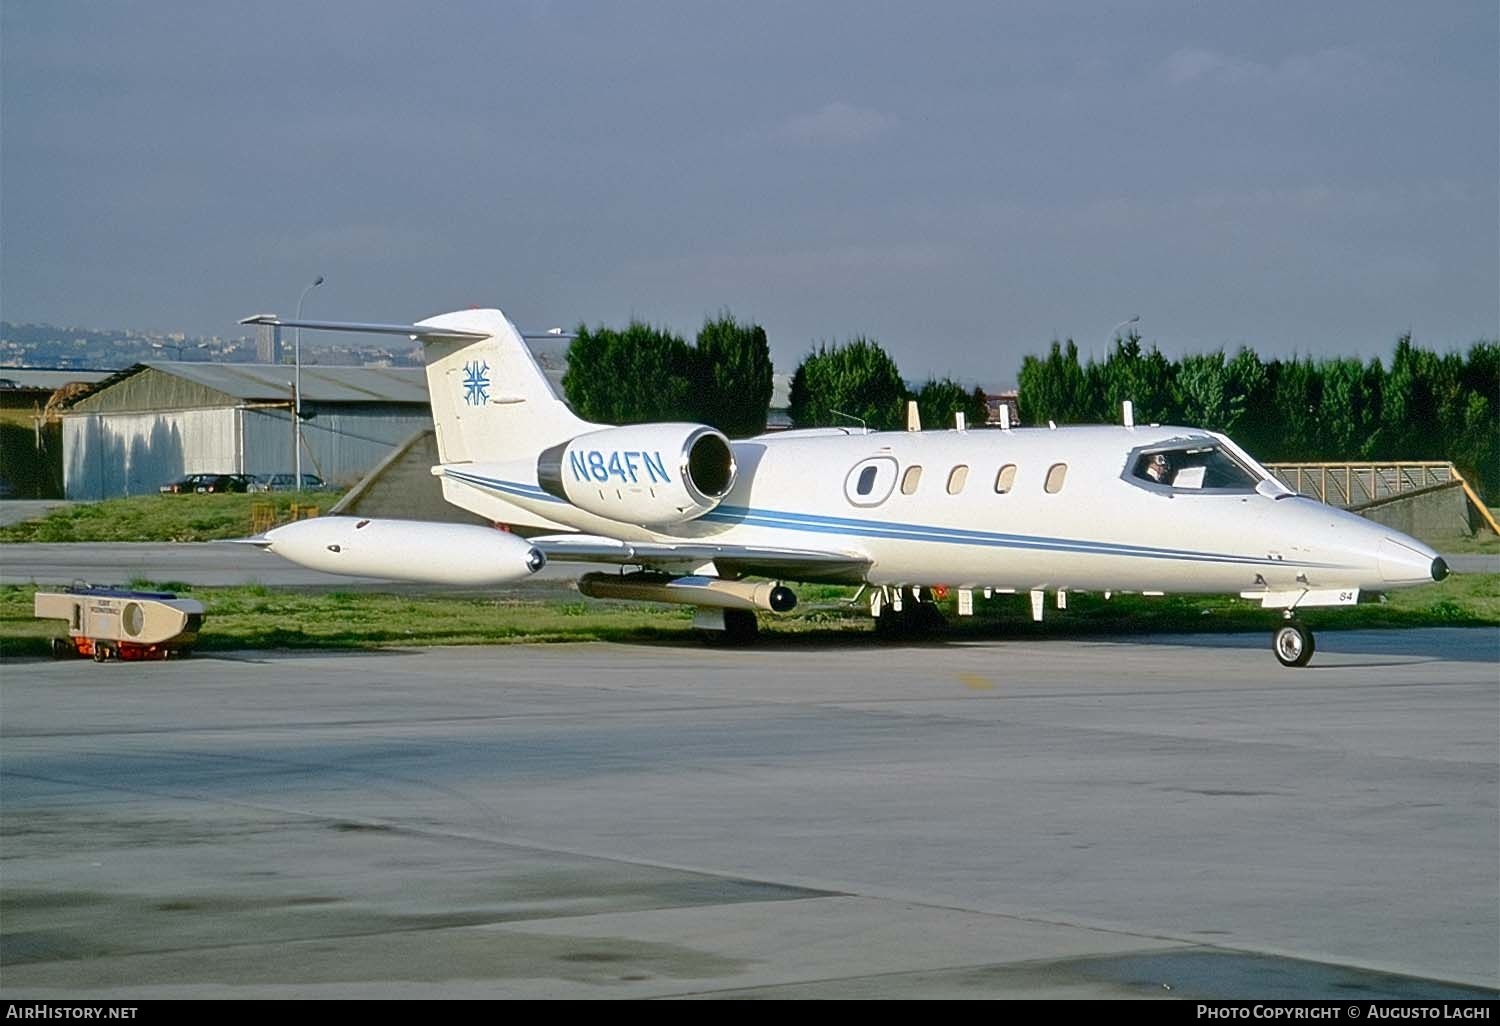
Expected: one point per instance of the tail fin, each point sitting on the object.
(490, 400)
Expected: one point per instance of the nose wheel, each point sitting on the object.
(1293, 643)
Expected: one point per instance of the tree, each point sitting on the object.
(940, 398)
(1055, 389)
(1296, 393)
(734, 376)
(1479, 445)
(856, 379)
(633, 376)
(1347, 413)
(1144, 378)
(1205, 393)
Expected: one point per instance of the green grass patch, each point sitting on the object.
(159, 518)
(1483, 542)
(257, 617)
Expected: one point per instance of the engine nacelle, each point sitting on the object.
(407, 550)
(652, 474)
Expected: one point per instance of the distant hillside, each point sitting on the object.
(48, 345)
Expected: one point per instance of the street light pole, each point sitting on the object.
(297, 390)
(1134, 320)
(178, 348)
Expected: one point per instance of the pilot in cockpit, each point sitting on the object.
(1158, 468)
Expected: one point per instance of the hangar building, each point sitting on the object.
(156, 421)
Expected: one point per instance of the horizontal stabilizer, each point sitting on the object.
(426, 333)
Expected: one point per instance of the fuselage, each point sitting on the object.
(1071, 508)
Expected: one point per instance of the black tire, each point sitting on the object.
(61, 649)
(741, 629)
(1293, 643)
(917, 619)
(101, 653)
(927, 618)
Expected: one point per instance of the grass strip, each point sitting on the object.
(160, 518)
(258, 617)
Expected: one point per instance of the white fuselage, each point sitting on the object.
(1071, 515)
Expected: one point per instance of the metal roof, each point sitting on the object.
(49, 379)
(271, 382)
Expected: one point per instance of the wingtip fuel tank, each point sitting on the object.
(407, 550)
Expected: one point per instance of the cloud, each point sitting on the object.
(835, 124)
(1324, 68)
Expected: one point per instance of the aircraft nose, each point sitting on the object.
(1403, 564)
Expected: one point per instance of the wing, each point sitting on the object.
(730, 560)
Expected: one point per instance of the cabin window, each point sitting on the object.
(910, 480)
(1006, 479)
(956, 479)
(871, 481)
(1056, 475)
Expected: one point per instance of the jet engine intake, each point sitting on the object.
(654, 475)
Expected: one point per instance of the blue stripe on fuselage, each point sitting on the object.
(814, 523)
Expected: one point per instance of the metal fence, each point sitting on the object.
(1353, 484)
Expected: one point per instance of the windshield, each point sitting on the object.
(1202, 467)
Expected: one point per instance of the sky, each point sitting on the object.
(962, 181)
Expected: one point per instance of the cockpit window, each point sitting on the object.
(1193, 468)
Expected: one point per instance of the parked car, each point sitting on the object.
(283, 483)
(186, 485)
(214, 483)
(220, 483)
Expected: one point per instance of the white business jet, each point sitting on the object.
(687, 515)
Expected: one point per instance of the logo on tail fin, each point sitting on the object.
(477, 383)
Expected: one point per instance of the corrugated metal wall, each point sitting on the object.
(108, 455)
(115, 454)
(339, 443)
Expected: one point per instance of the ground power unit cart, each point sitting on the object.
(117, 623)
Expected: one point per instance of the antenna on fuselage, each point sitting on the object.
(858, 420)
(1004, 416)
(1127, 412)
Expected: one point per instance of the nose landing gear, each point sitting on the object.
(1293, 643)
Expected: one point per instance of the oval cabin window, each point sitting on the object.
(1006, 479)
(956, 479)
(910, 480)
(871, 481)
(1056, 475)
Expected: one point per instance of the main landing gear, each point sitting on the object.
(1293, 643)
(917, 617)
(739, 627)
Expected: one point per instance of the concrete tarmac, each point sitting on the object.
(1165, 817)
